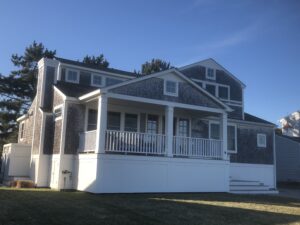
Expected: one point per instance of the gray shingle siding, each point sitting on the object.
(49, 135)
(48, 82)
(247, 150)
(75, 125)
(85, 78)
(153, 88)
(198, 72)
(237, 113)
(57, 136)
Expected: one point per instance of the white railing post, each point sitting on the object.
(169, 114)
(223, 129)
(101, 124)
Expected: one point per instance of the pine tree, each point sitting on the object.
(18, 89)
(97, 61)
(155, 65)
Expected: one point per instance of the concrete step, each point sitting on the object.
(249, 187)
(254, 192)
(245, 182)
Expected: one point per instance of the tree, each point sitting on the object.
(18, 89)
(155, 65)
(97, 61)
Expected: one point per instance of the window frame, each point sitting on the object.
(171, 93)
(214, 73)
(228, 92)
(260, 145)
(77, 76)
(228, 124)
(120, 121)
(102, 80)
(137, 121)
(216, 89)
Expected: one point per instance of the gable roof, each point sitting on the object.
(218, 64)
(73, 90)
(110, 70)
(179, 74)
(250, 118)
(296, 139)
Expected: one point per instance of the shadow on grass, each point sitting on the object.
(50, 207)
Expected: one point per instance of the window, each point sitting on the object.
(211, 89)
(57, 113)
(72, 76)
(261, 140)
(113, 121)
(223, 92)
(97, 80)
(152, 124)
(199, 83)
(231, 138)
(210, 74)
(183, 128)
(214, 131)
(22, 130)
(171, 88)
(131, 122)
(92, 119)
(231, 135)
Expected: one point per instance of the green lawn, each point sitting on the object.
(41, 206)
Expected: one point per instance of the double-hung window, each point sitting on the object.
(171, 88)
(131, 122)
(114, 121)
(72, 76)
(97, 80)
(210, 73)
(92, 119)
(261, 140)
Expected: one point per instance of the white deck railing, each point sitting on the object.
(133, 142)
(87, 141)
(197, 147)
(152, 144)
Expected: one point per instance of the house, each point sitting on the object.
(288, 148)
(180, 130)
(288, 158)
(291, 124)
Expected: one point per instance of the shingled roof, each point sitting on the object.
(251, 118)
(110, 70)
(73, 90)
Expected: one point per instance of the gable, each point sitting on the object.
(153, 88)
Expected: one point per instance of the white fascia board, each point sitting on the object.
(21, 118)
(164, 103)
(90, 95)
(200, 62)
(95, 70)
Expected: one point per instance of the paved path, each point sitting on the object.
(290, 192)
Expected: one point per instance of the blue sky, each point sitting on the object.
(258, 41)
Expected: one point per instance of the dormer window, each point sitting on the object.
(72, 76)
(210, 73)
(97, 80)
(171, 88)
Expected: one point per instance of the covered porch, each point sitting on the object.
(124, 125)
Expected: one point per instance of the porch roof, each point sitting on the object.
(73, 90)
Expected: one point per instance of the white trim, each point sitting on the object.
(211, 59)
(103, 80)
(21, 118)
(261, 145)
(206, 73)
(77, 76)
(22, 132)
(57, 107)
(171, 93)
(164, 103)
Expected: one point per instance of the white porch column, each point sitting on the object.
(223, 132)
(101, 124)
(169, 115)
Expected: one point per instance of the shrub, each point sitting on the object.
(22, 184)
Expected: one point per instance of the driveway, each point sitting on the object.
(289, 192)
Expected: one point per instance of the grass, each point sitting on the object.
(43, 206)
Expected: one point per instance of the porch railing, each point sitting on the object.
(133, 142)
(87, 141)
(197, 147)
